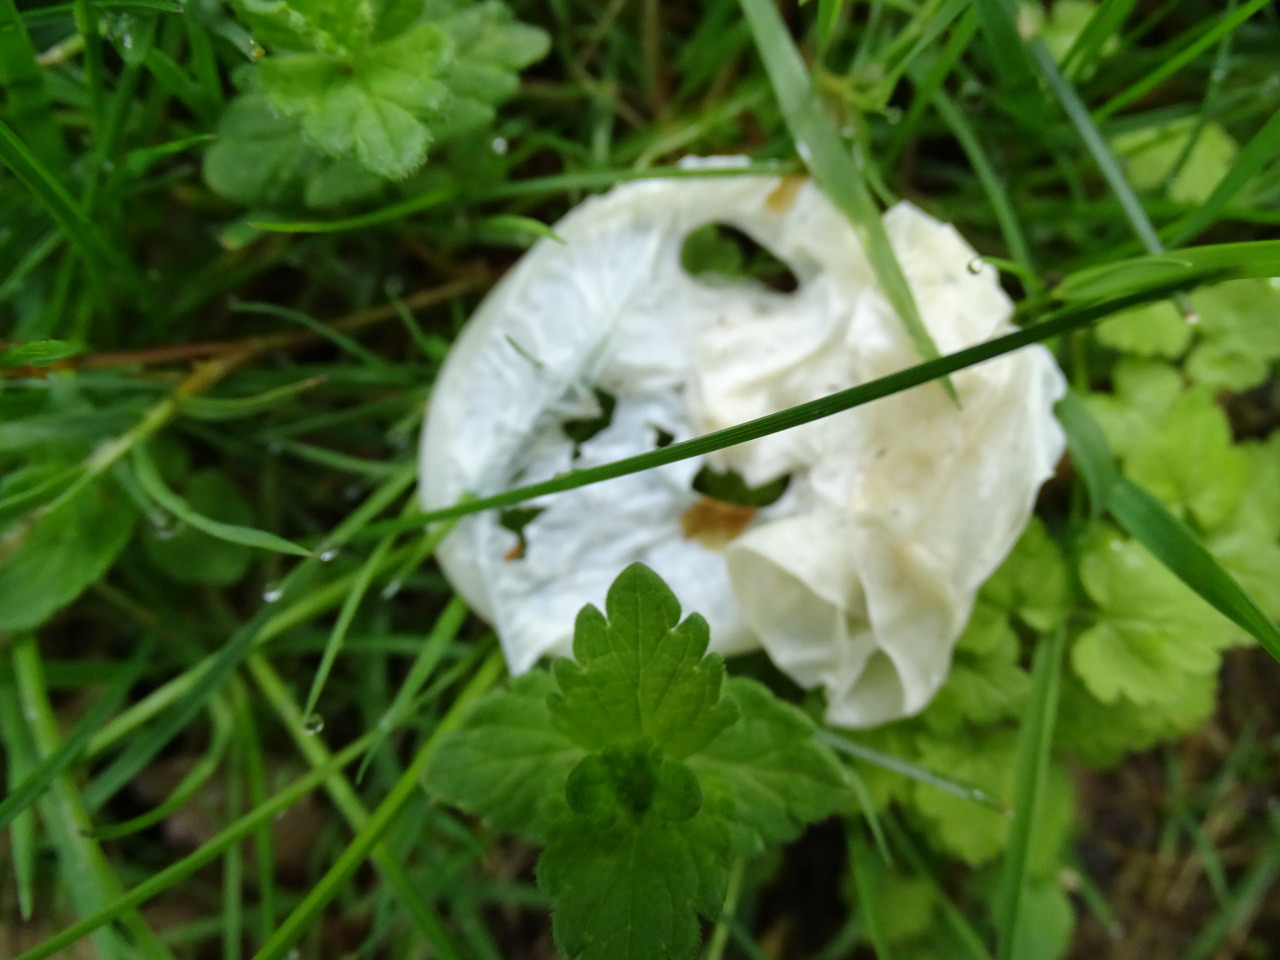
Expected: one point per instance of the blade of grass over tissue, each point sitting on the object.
(1062, 321)
(304, 916)
(1150, 523)
(833, 166)
(1035, 749)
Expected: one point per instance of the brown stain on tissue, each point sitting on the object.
(781, 198)
(714, 523)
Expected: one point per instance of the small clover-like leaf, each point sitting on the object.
(641, 673)
(375, 104)
(1150, 625)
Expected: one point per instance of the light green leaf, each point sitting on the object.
(374, 105)
(491, 47)
(1150, 626)
(1187, 460)
(48, 560)
(640, 675)
(1144, 391)
(1240, 325)
(779, 777)
(1100, 734)
(1150, 155)
(1032, 584)
(260, 159)
(1154, 330)
(506, 758)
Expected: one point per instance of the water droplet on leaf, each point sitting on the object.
(313, 725)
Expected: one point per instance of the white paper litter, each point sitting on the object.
(861, 577)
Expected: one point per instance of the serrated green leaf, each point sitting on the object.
(491, 47)
(260, 159)
(622, 895)
(332, 26)
(978, 690)
(632, 782)
(506, 758)
(1144, 391)
(779, 777)
(1187, 460)
(1149, 627)
(641, 673)
(374, 105)
(47, 561)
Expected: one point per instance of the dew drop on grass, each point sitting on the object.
(976, 265)
(272, 594)
(500, 145)
(328, 554)
(313, 725)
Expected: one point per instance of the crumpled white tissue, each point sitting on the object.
(862, 575)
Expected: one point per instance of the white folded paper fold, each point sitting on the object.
(862, 575)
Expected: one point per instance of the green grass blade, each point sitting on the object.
(834, 170)
(1035, 748)
(865, 865)
(345, 799)
(29, 104)
(951, 915)
(1087, 47)
(151, 482)
(86, 873)
(307, 912)
(51, 194)
(260, 816)
(1174, 62)
(207, 680)
(424, 665)
(1174, 545)
(1008, 52)
(995, 190)
(1250, 895)
(22, 794)
(928, 82)
(1260, 258)
(217, 409)
(20, 763)
(1096, 144)
(1149, 522)
(1256, 155)
(966, 791)
(1063, 321)
(388, 214)
(188, 788)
